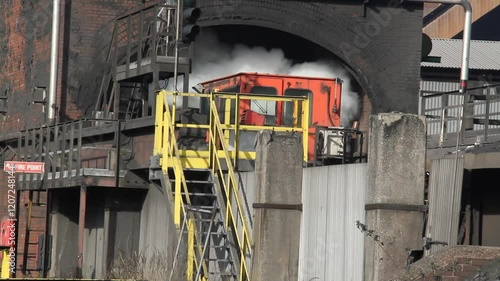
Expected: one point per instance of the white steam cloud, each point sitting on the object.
(213, 59)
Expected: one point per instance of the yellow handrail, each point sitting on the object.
(244, 240)
(218, 155)
(165, 134)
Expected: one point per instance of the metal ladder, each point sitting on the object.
(131, 105)
(35, 210)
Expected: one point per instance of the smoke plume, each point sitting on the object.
(213, 59)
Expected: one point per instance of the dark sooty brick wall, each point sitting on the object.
(381, 42)
(25, 36)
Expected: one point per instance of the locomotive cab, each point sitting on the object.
(327, 140)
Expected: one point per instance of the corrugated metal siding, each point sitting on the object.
(433, 106)
(331, 246)
(445, 193)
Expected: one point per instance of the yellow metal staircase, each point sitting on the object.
(202, 183)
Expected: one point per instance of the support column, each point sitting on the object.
(277, 207)
(81, 230)
(396, 175)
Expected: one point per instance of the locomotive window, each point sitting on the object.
(262, 106)
(222, 104)
(288, 106)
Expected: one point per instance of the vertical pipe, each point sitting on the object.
(177, 37)
(51, 104)
(46, 241)
(118, 147)
(464, 73)
(81, 230)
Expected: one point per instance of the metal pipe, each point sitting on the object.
(177, 38)
(177, 250)
(464, 73)
(81, 230)
(54, 55)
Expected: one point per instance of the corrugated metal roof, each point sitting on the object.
(484, 55)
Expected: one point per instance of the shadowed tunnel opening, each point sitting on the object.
(295, 49)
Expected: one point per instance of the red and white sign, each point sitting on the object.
(24, 167)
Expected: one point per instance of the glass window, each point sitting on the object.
(261, 106)
(288, 106)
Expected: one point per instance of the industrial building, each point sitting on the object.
(153, 171)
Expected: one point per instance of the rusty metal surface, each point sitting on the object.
(452, 22)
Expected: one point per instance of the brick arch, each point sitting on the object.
(380, 45)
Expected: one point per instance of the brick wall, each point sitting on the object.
(25, 36)
(364, 120)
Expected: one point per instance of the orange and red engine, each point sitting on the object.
(324, 95)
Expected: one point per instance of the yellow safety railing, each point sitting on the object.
(220, 158)
(166, 145)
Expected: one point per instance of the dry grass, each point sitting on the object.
(151, 265)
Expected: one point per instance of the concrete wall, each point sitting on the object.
(158, 233)
(65, 233)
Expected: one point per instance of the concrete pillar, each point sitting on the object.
(396, 174)
(277, 207)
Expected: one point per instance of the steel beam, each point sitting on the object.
(81, 230)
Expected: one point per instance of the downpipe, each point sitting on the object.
(54, 52)
(464, 73)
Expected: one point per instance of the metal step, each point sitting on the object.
(199, 194)
(211, 233)
(223, 274)
(195, 181)
(220, 260)
(202, 207)
(38, 217)
(35, 204)
(196, 170)
(214, 247)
